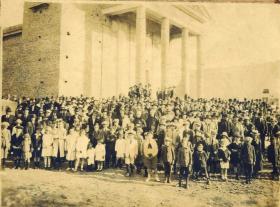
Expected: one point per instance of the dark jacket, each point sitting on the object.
(184, 157)
(167, 154)
(248, 154)
(199, 160)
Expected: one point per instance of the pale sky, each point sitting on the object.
(238, 34)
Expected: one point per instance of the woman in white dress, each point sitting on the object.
(81, 149)
(47, 146)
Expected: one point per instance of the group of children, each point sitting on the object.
(53, 144)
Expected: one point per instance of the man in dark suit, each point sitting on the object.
(224, 126)
(261, 126)
(8, 117)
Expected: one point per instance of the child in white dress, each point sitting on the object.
(100, 154)
(47, 147)
(71, 141)
(81, 149)
(26, 149)
(120, 148)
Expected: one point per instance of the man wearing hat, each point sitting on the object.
(224, 126)
(256, 142)
(31, 125)
(248, 126)
(9, 118)
(262, 127)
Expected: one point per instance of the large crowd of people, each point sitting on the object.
(187, 138)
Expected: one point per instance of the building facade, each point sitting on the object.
(101, 50)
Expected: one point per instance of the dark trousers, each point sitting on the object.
(167, 169)
(129, 169)
(262, 138)
(17, 163)
(184, 174)
(110, 154)
(71, 164)
(120, 162)
(248, 169)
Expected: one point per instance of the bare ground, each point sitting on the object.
(111, 188)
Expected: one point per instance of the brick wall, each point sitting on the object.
(12, 47)
(40, 54)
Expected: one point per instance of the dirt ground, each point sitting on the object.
(110, 188)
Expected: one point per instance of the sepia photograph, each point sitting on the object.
(140, 103)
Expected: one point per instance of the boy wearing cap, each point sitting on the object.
(167, 156)
(235, 149)
(185, 160)
(200, 158)
(5, 142)
(139, 159)
(131, 151)
(248, 158)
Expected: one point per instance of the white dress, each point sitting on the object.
(81, 147)
(120, 148)
(100, 152)
(71, 141)
(47, 147)
(26, 148)
(91, 156)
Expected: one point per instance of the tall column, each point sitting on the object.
(140, 43)
(118, 56)
(184, 53)
(199, 74)
(165, 30)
